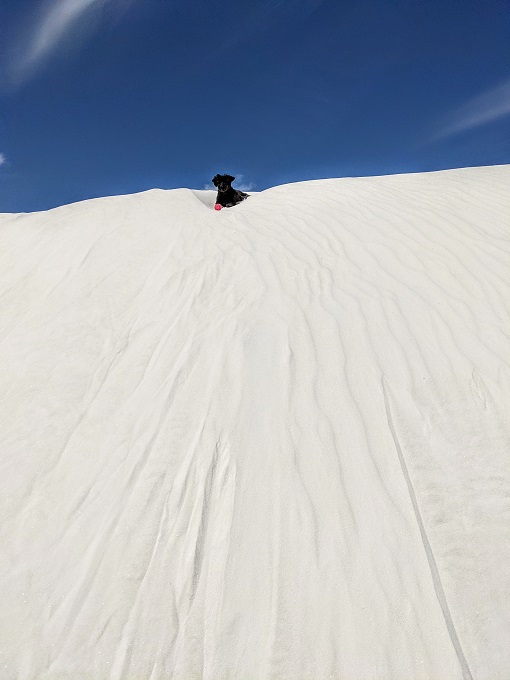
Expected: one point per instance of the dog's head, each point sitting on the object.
(223, 182)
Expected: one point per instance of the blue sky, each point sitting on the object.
(101, 97)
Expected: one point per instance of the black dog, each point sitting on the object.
(227, 197)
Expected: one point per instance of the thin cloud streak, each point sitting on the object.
(56, 20)
(55, 24)
(3, 159)
(485, 108)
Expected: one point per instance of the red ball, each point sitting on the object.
(218, 206)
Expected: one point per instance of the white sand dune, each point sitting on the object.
(271, 442)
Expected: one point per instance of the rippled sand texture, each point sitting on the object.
(271, 442)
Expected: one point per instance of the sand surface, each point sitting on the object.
(271, 442)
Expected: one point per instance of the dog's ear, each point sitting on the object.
(229, 178)
(215, 180)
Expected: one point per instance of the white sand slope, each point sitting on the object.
(267, 443)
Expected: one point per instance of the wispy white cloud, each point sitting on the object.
(485, 108)
(54, 21)
(245, 186)
(3, 159)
